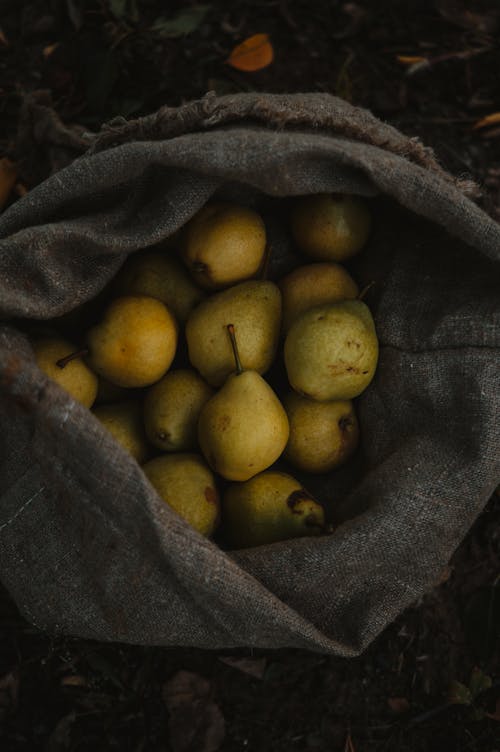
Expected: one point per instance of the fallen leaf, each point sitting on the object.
(410, 59)
(60, 737)
(49, 49)
(252, 666)
(479, 682)
(493, 119)
(459, 14)
(9, 690)
(495, 716)
(398, 704)
(253, 54)
(459, 694)
(185, 22)
(8, 177)
(349, 745)
(74, 680)
(196, 723)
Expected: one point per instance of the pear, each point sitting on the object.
(330, 226)
(171, 410)
(243, 428)
(135, 343)
(312, 285)
(75, 376)
(323, 435)
(187, 485)
(254, 308)
(124, 421)
(159, 275)
(270, 507)
(331, 351)
(223, 244)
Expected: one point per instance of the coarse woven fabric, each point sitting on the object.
(87, 547)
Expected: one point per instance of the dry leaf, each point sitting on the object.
(410, 59)
(493, 119)
(196, 723)
(252, 666)
(49, 49)
(9, 690)
(74, 680)
(398, 704)
(8, 177)
(349, 744)
(254, 53)
(495, 716)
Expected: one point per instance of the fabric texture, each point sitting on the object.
(87, 547)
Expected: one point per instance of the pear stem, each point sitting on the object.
(232, 337)
(365, 289)
(62, 362)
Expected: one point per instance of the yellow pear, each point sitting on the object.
(323, 435)
(171, 410)
(75, 377)
(124, 421)
(187, 485)
(223, 244)
(330, 226)
(254, 308)
(312, 285)
(135, 343)
(268, 508)
(243, 428)
(159, 275)
(331, 351)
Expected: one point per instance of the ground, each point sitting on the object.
(431, 681)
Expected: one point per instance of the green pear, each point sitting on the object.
(331, 351)
(312, 285)
(254, 308)
(243, 428)
(159, 275)
(135, 343)
(270, 507)
(172, 407)
(124, 421)
(330, 226)
(75, 377)
(223, 244)
(187, 485)
(323, 435)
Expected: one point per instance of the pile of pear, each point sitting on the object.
(175, 366)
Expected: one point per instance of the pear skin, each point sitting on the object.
(223, 244)
(124, 421)
(331, 351)
(187, 485)
(270, 507)
(135, 343)
(159, 275)
(323, 435)
(76, 377)
(330, 226)
(172, 407)
(244, 428)
(254, 308)
(312, 285)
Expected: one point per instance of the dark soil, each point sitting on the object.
(431, 681)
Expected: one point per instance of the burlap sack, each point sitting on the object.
(87, 547)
